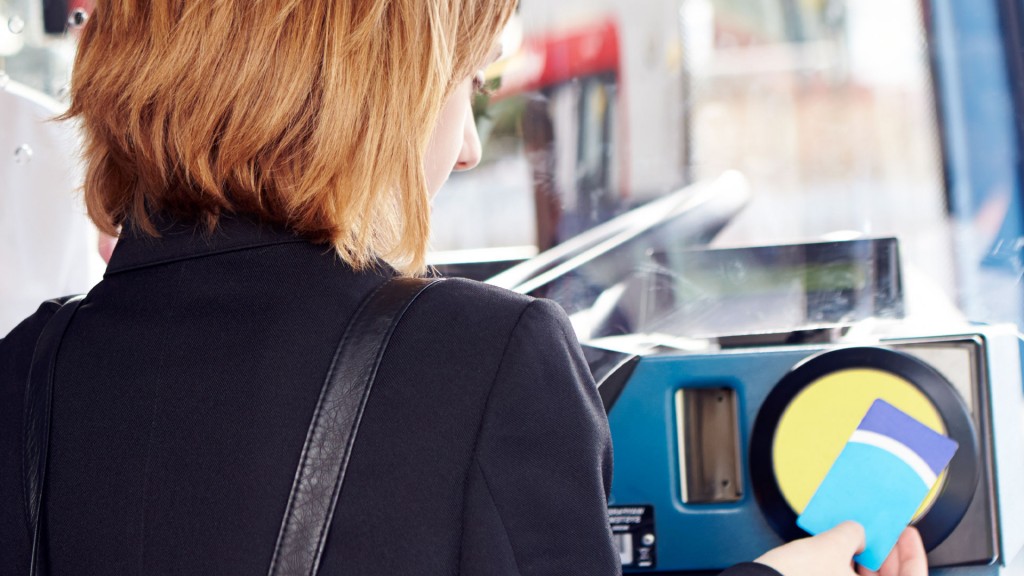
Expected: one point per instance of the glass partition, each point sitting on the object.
(829, 110)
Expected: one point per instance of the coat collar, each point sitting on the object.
(186, 240)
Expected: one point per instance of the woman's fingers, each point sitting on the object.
(913, 558)
(830, 553)
(892, 564)
(908, 558)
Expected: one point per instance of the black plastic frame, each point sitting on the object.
(964, 470)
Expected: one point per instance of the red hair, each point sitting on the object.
(309, 114)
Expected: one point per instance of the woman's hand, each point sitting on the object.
(832, 553)
(829, 553)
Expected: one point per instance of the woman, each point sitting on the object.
(269, 165)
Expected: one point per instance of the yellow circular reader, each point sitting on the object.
(807, 418)
(817, 423)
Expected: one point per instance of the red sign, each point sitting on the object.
(561, 56)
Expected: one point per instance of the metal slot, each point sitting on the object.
(709, 459)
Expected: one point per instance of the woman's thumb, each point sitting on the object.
(847, 538)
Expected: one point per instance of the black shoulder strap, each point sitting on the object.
(38, 399)
(332, 433)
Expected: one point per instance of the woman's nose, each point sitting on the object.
(471, 151)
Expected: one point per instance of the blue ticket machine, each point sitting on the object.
(716, 452)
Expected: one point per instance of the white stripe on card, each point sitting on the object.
(899, 450)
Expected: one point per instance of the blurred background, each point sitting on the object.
(48, 248)
(846, 118)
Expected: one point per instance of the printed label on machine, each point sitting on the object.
(633, 533)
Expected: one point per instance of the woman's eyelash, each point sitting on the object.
(480, 86)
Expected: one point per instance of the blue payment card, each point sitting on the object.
(880, 479)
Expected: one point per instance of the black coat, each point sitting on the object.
(186, 383)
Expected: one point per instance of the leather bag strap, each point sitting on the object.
(38, 401)
(332, 432)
